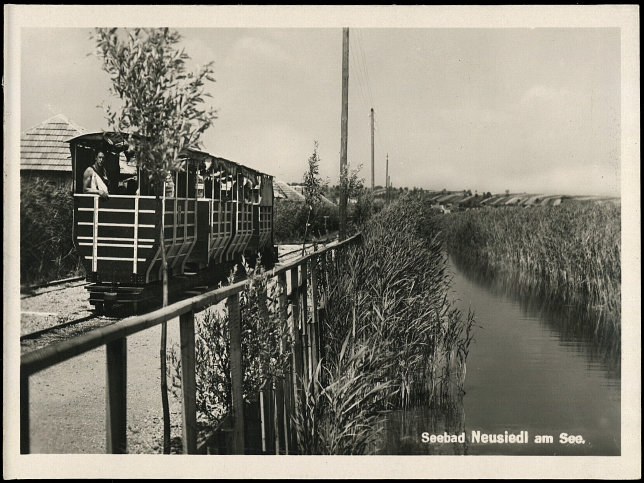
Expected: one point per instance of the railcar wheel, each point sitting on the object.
(108, 307)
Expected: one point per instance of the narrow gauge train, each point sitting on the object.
(214, 211)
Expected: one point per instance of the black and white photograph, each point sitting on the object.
(410, 235)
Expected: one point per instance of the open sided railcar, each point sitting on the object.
(212, 210)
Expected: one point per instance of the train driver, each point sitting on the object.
(95, 177)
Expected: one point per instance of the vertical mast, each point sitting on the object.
(372, 155)
(387, 179)
(344, 129)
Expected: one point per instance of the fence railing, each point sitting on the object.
(277, 401)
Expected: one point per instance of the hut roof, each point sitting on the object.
(44, 146)
(496, 199)
(533, 200)
(286, 192)
(300, 189)
(515, 199)
(466, 199)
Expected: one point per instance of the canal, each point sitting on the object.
(532, 374)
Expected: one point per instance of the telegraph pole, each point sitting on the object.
(344, 129)
(387, 179)
(372, 155)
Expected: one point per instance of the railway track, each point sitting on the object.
(47, 330)
(91, 320)
(57, 285)
(63, 331)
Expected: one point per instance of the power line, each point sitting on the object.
(364, 65)
(359, 78)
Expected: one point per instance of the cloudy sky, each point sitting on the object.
(525, 109)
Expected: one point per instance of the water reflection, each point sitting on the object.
(403, 430)
(533, 366)
(588, 329)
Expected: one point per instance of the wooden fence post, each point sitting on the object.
(304, 294)
(268, 417)
(236, 373)
(262, 418)
(24, 415)
(286, 401)
(188, 382)
(325, 278)
(295, 327)
(281, 432)
(313, 333)
(116, 396)
(298, 373)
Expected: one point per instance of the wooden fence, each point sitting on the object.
(276, 404)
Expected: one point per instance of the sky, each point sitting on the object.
(532, 110)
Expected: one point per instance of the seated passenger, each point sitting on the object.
(95, 178)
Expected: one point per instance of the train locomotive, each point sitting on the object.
(213, 211)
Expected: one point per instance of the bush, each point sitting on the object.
(47, 249)
(262, 359)
(290, 221)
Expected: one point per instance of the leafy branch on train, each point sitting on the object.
(162, 106)
(162, 103)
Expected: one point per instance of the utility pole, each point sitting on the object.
(344, 129)
(387, 179)
(373, 185)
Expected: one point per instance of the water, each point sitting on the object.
(527, 370)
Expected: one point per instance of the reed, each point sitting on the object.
(339, 406)
(392, 336)
(571, 252)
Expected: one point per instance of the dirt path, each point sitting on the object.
(67, 401)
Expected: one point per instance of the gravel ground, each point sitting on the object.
(54, 305)
(67, 401)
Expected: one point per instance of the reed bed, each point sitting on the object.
(392, 338)
(570, 252)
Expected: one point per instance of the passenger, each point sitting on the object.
(132, 187)
(95, 178)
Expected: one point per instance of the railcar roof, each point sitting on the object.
(100, 136)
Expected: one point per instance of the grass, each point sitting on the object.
(569, 253)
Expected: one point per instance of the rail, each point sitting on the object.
(304, 357)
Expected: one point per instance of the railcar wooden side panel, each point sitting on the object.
(266, 213)
(222, 228)
(200, 254)
(253, 245)
(115, 238)
(180, 236)
(265, 226)
(243, 231)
